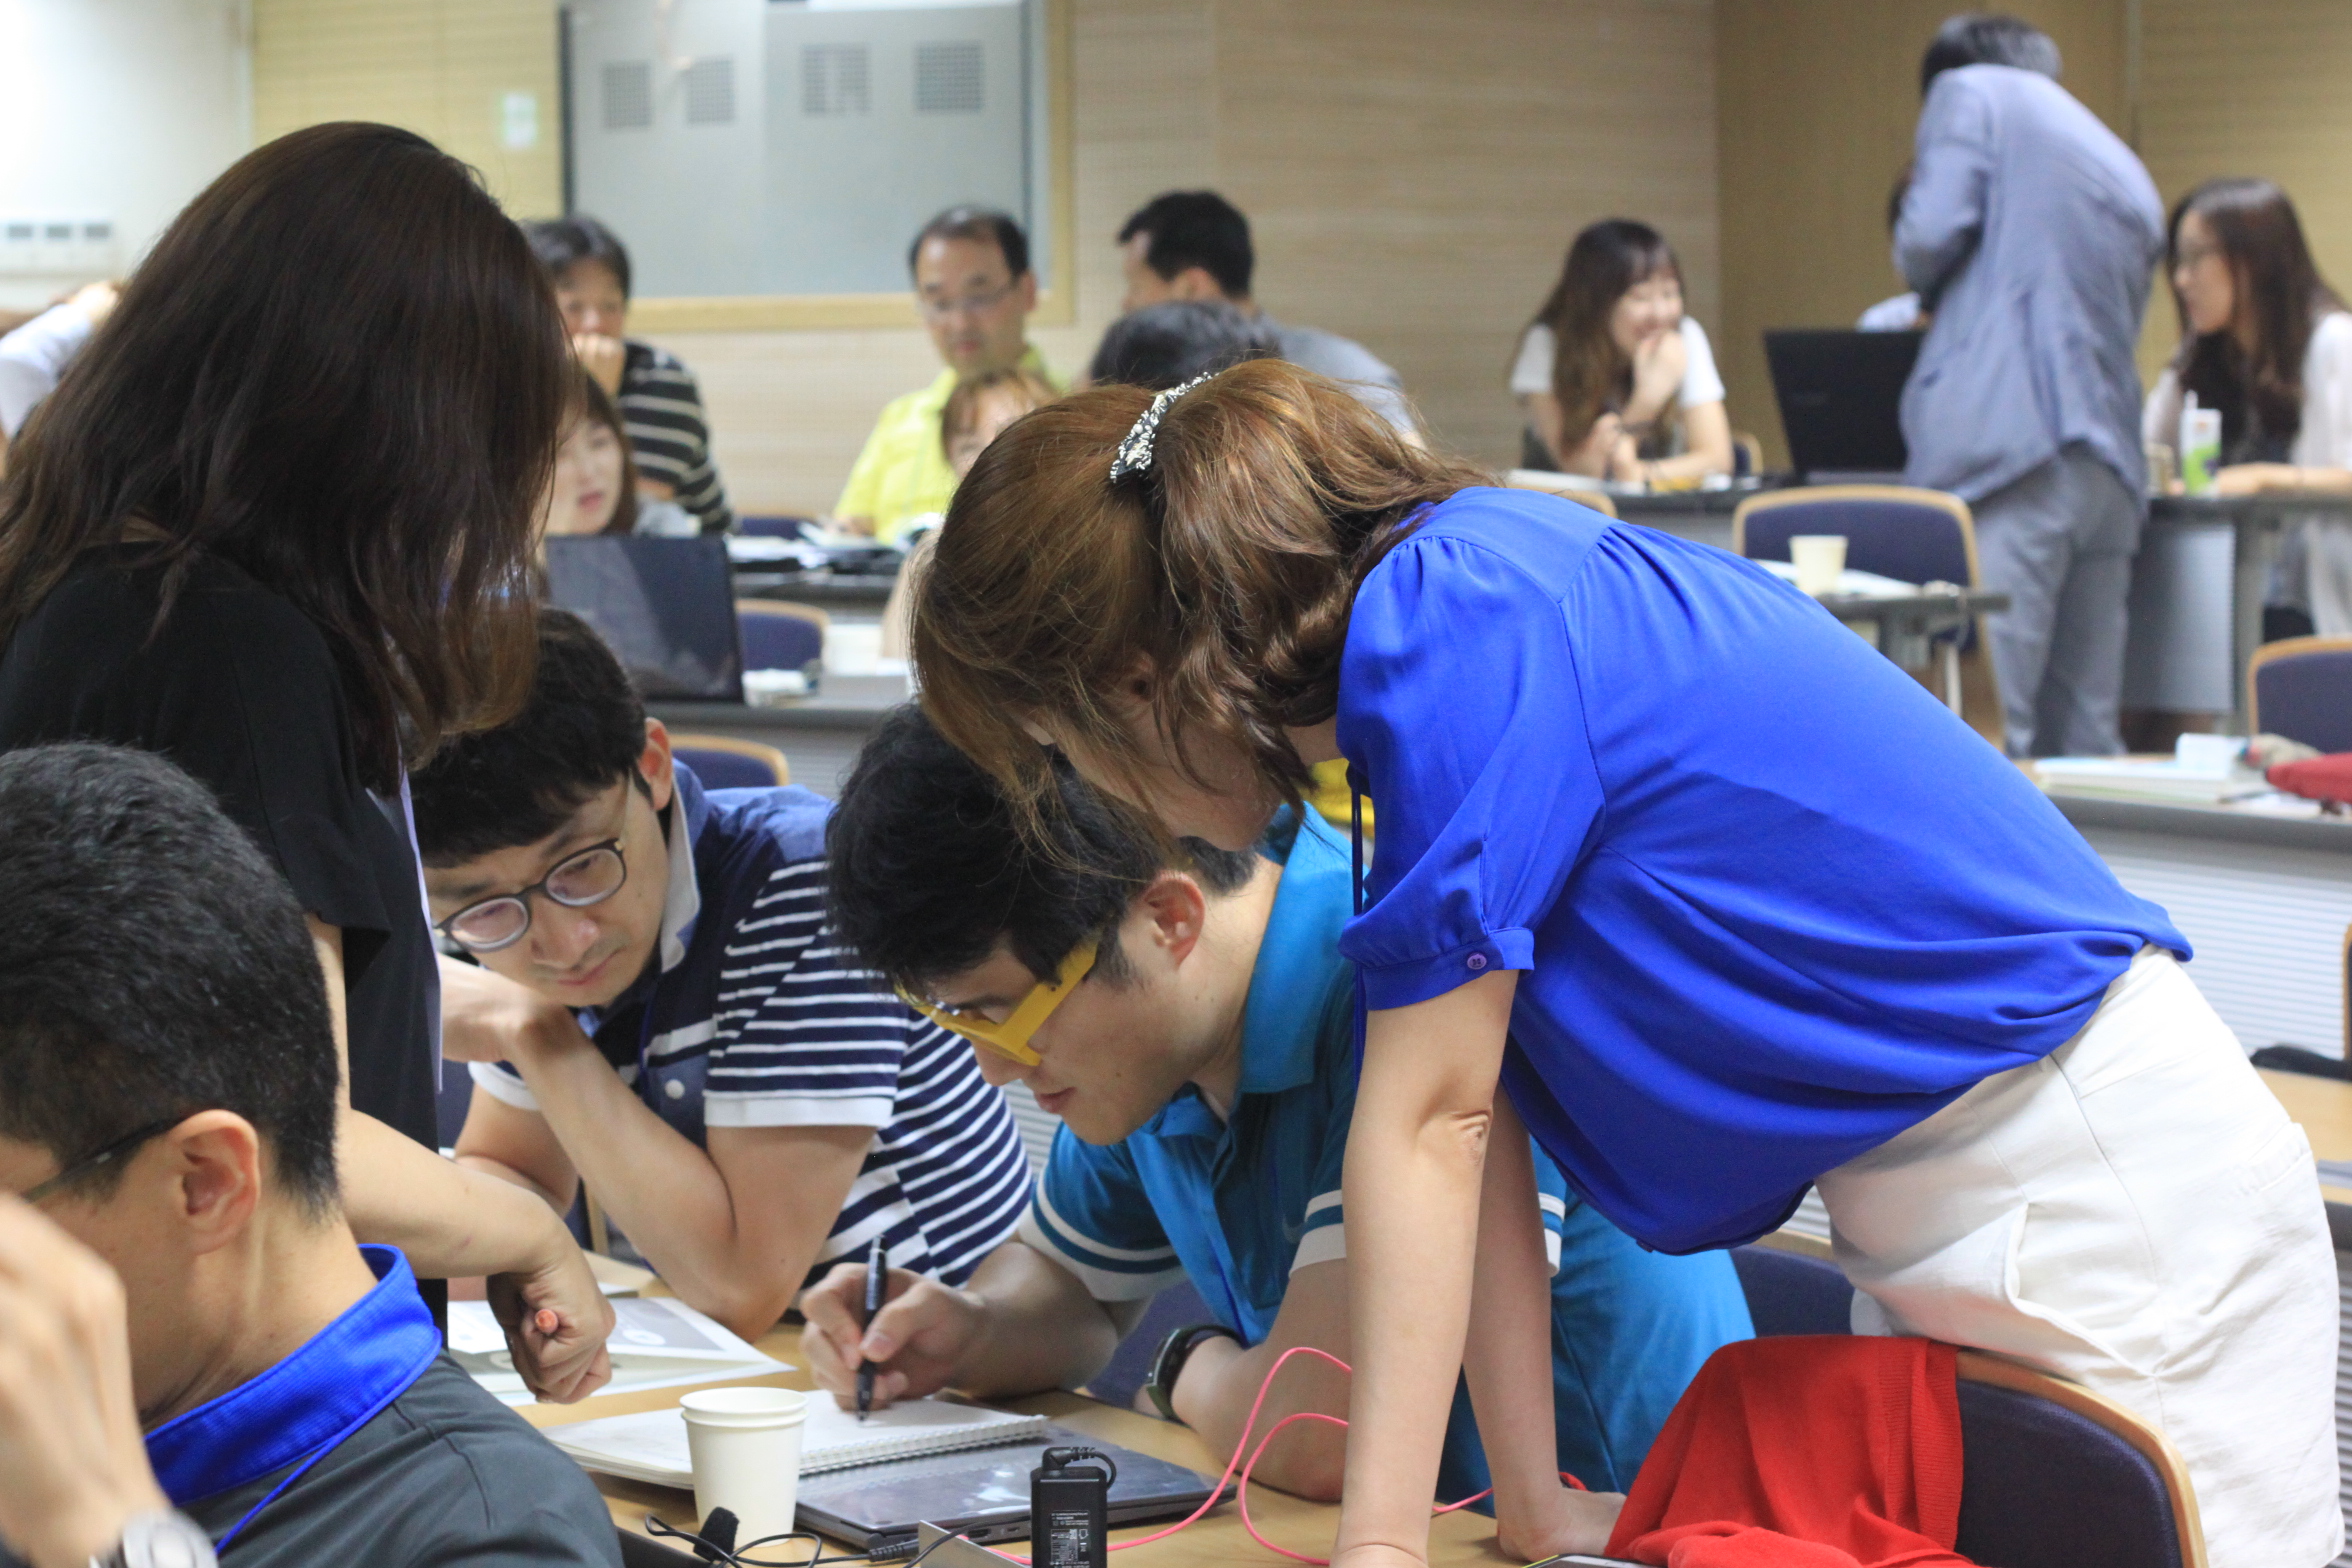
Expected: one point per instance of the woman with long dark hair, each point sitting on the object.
(1616, 381)
(2266, 341)
(275, 524)
(1722, 903)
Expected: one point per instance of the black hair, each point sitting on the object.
(340, 370)
(929, 870)
(984, 224)
(1195, 229)
(153, 964)
(1165, 345)
(1986, 38)
(563, 243)
(582, 729)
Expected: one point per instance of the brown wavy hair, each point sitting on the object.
(1229, 566)
(342, 370)
(2279, 293)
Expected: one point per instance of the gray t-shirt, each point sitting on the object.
(446, 1475)
(1375, 385)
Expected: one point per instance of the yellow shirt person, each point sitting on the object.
(975, 289)
(901, 473)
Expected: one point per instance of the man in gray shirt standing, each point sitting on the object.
(2031, 232)
(1196, 245)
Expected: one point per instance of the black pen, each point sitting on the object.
(877, 1271)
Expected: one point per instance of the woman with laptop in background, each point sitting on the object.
(1616, 382)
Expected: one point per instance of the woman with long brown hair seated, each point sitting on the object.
(275, 523)
(1616, 381)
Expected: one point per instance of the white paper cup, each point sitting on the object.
(1818, 558)
(745, 1444)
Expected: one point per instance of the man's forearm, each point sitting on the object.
(449, 1221)
(1040, 1329)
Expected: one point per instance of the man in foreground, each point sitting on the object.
(662, 1010)
(195, 1356)
(1193, 1027)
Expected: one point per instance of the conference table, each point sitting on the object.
(1462, 1538)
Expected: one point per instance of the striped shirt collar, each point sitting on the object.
(682, 900)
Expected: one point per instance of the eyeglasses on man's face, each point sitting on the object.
(969, 305)
(576, 882)
(1011, 1037)
(98, 1159)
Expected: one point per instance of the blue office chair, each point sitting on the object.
(722, 762)
(1793, 1292)
(778, 636)
(1913, 536)
(2302, 688)
(773, 527)
(2056, 1476)
(450, 1102)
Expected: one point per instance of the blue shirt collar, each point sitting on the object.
(313, 1400)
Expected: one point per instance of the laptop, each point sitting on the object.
(666, 607)
(985, 1492)
(1841, 396)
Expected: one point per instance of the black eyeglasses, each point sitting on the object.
(589, 877)
(122, 1148)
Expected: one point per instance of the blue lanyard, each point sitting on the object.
(309, 1404)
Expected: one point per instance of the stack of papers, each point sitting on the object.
(657, 1342)
(651, 1446)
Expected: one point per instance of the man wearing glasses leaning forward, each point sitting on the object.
(1193, 1027)
(661, 1010)
(975, 289)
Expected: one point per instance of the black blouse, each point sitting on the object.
(240, 690)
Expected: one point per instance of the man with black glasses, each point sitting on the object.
(661, 1009)
(196, 1358)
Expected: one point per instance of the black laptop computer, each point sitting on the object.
(666, 606)
(984, 1493)
(1841, 398)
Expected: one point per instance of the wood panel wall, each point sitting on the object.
(1815, 109)
(438, 67)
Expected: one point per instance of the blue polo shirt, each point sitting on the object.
(1773, 903)
(1238, 1205)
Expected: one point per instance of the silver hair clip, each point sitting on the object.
(1135, 453)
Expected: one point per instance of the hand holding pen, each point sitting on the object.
(877, 1277)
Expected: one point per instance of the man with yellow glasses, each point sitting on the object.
(1193, 1027)
(661, 1008)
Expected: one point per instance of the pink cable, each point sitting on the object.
(1241, 1493)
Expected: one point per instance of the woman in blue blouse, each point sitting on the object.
(1726, 903)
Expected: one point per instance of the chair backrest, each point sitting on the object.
(1913, 536)
(1747, 455)
(454, 1098)
(773, 527)
(1576, 487)
(723, 762)
(779, 636)
(2302, 688)
(1793, 1292)
(1130, 1365)
(2059, 1477)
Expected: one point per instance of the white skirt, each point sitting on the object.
(2137, 1213)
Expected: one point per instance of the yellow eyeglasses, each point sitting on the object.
(1011, 1038)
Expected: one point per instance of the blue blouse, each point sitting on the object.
(1773, 902)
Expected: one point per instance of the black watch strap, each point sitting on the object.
(1168, 1365)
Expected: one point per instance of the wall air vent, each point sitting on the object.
(710, 92)
(948, 78)
(835, 79)
(628, 95)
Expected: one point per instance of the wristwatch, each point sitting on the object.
(160, 1538)
(1168, 1365)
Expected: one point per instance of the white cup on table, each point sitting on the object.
(745, 1444)
(1819, 559)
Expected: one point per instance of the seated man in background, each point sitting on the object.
(1194, 1028)
(199, 1356)
(975, 289)
(1196, 245)
(669, 435)
(1167, 344)
(663, 1011)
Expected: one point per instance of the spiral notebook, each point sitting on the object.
(651, 1446)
